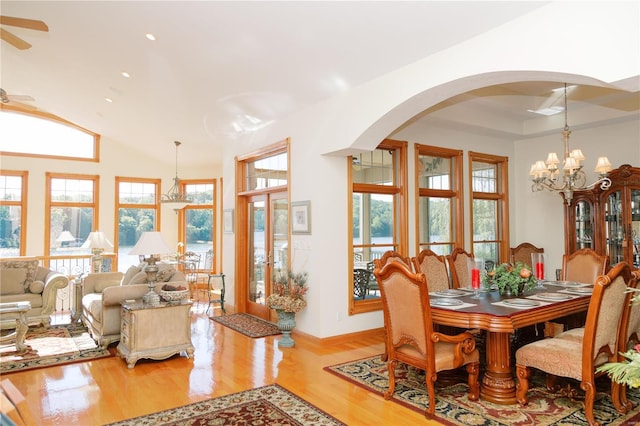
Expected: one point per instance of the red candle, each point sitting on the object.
(475, 278)
(540, 270)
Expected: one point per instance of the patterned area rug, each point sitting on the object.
(248, 325)
(62, 344)
(267, 405)
(454, 408)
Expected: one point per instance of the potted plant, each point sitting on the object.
(287, 298)
(510, 279)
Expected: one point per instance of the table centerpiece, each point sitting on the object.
(510, 279)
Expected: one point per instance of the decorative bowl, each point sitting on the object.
(174, 296)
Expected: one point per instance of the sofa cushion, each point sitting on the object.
(100, 285)
(139, 278)
(30, 265)
(12, 280)
(41, 274)
(36, 287)
(131, 272)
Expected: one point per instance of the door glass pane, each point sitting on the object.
(70, 227)
(635, 225)
(257, 250)
(131, 224)
(280, 238)
(584, 233)
(614, 227)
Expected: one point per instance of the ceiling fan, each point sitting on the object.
(14, 40)
(14, 100)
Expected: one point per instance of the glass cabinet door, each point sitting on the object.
(614, 227)
(635, 226)
(584, 225)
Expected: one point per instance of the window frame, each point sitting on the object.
(24, 175)
(49, 204)
(455, 193)
(400, 217)
(118, 205)
(501, 196)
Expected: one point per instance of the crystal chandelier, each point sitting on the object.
(178, 199)
(547, 175)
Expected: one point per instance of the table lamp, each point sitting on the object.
(98, 243)
(151, 244)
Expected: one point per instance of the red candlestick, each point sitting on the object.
(540, 270)
(475, 278)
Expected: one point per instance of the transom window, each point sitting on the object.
(267, 172)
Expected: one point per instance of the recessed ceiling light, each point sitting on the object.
(150, 36)
(125, 74)
(109, 100)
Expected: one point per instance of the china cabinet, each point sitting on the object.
(607, 221)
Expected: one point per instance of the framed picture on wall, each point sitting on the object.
(301, 217)
(227, 221)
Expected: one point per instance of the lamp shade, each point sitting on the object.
(97, 240)
(65, 237)
(151, 243)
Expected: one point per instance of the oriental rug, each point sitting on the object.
(248, 325)
(454, 408)
(267, 405)
(56, 345)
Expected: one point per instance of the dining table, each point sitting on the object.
(500, 316)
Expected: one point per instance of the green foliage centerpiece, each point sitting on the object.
(510, 279)
(287, 298)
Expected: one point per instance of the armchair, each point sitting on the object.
(23, 280)
(103, 294)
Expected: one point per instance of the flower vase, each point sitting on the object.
(286, 323)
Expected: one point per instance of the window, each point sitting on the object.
(45, 135)
(489, 206)
(266, 172)
(197, 221)
(13, 213)
(439, 200)
(137, 208)
(378, 213)
(72, 205)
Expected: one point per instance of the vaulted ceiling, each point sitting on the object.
(219, 70)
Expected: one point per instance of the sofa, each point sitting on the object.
(23, 279)
(104, 292)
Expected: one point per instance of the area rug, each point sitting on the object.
(61, 344)
(248, 325)
(267, 405)
(454, 408)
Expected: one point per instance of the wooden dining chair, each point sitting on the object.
(391, 256)
(584, 266)
(459, 268)
(522, 253)
(434, 267)
(607, 320)
(410, 337)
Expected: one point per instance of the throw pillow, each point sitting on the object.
(131, 272)
(139, 278)
(30, 265)
(99, 286)
(41, 274)
(165, 273)
(12, 280)
(36, 287)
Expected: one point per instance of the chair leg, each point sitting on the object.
(473, 370)
(589, 397)
(391, 369)
(431, 389)
(619, 397)
(522, 387)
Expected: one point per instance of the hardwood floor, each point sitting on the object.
(105, 390)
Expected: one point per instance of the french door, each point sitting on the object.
(267, 247)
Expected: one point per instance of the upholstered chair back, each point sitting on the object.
(391, 256)
(434, 267)
(584, 266)
(459, 268)
(522, 253)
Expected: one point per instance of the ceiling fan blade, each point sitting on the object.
(13, 40)
(31, 24)
(18, 106)
(18, 98)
